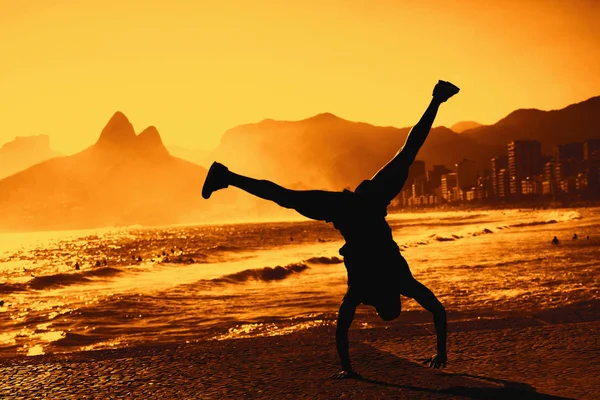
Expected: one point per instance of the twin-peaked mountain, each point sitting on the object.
(122, 179)
(23, 152)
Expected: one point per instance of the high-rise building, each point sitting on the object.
(435, 175)
(549, 182)
(568, 160)
(419, 187)
(466, 174)
(449, 183)
(503, 183)
(498, 163)
(524, 161)
(591, 150)
(417, 170)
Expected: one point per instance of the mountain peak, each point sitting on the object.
(150, 142)
(326, 116)
(117, 132)
(462, 126)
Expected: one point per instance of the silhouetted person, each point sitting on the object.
(104, 262)
(377, 272)
(77, 266)
(575, 237)
(555, 240)
(97, 263)
(139, 258)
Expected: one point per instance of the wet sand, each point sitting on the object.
(549, 355)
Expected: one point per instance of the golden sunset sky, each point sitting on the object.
(197, 68)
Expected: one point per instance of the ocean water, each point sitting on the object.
(137, 286)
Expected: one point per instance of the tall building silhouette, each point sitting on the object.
(435, 175)
(568, 162)
(591, 150)
(417, 170)
(524, 163)
(449, 187)
(499, 163)
(466, 174)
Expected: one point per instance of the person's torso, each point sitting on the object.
(370, 253)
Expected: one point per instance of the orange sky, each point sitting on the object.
(197, 68)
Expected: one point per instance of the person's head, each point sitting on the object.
(389, 307)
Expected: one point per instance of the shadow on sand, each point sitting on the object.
(508, 390)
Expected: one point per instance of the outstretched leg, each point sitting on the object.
(314, 204)
(428, 301)
(390, 179)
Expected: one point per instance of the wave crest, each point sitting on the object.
(66, 279)
(266, 274)
(325, 260)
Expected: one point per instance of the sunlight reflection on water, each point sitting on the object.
(212, 282)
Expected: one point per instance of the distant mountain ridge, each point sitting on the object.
(328, 152)
(23, 152)
(574, 123)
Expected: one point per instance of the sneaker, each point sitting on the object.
(215, 179)
(444, 90)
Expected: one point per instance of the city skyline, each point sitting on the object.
(571, 172)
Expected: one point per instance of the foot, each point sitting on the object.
(215, 179)
(444, 90)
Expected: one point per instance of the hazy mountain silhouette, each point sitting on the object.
(197, 156)
(575, 123)
(23, 152)
(462, 126)
(314, 152)
(122, 179)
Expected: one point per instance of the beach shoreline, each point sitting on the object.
(546, 355)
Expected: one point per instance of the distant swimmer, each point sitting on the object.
(360, 218)
(77, 267)
(1, 303)
(555, 240)
(575, 236)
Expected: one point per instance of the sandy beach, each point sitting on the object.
(548, 355)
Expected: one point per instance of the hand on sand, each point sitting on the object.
(350, 374)
(436, 361)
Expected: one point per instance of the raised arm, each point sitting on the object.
(390, 179)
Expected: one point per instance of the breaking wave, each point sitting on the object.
(266, 274)
(60, 280)
(325, 260)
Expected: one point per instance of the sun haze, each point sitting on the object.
(195, 69)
